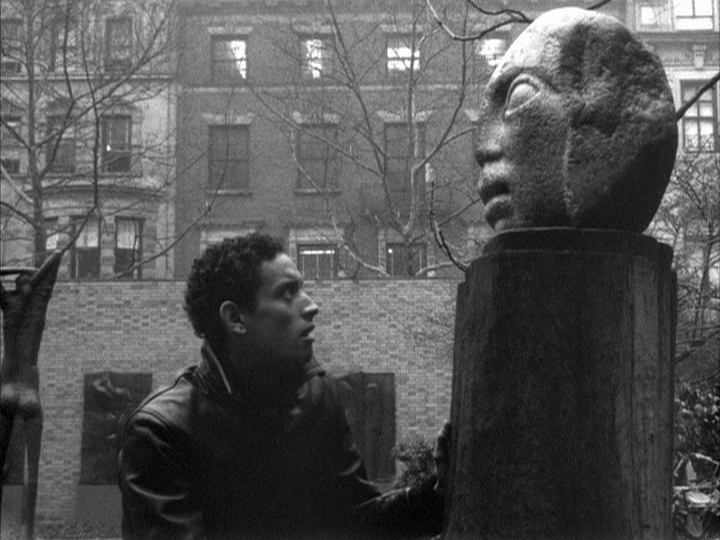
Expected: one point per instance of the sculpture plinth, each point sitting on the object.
(562, 388)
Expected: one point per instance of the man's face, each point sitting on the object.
(278, 331)
(522, 136)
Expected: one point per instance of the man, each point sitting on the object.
(253, 442)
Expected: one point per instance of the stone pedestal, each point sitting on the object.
(562, 405)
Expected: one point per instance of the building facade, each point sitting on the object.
(88, 136)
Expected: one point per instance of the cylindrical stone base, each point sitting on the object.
(563, 389)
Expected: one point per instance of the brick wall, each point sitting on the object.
(404, 327)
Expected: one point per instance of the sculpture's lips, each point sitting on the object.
(496, 196)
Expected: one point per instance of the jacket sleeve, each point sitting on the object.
(156, 482)
(402, 513)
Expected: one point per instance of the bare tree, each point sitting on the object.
(388, 127)
(689, 220)
(86, 121)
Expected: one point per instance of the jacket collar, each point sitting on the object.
(213, 369)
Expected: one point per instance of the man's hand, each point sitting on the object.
(441, 455)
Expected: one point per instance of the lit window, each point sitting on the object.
(491, 50)
(404, 260)
(85, 260)
(60, 149)
(229, 152)
(315, 58)
(118, 43)
(694, 14)
(117, 144)
(229, 58)
(10, 34)
(128, 247)
(316, 157)
(402, 54)
(699, 124)
(317, 261)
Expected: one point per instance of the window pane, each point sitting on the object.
(317, 261)
(314, 56)
(89, 236)
(118, 42)
(229, 58)
(229, 157)
(699, 125)
(400, 54)
(64, 159)
(402, 260)
(10, 34)
(117, 149)
(491, 50)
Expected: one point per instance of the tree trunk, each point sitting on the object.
(563, 389)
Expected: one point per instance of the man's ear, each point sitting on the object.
(232, 317)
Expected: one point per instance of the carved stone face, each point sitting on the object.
(578, 128)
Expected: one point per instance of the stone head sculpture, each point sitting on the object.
(577, 129)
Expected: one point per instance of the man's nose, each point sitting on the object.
(310, 309)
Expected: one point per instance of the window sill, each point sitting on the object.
(305, 192)
(228, 192)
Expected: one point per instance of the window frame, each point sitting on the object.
(311, 163)
(82, 255)
(66, 145)
(231, 76)
(136, 252)
(693, 20)
(694, 118)
(241, 162)
(323, 69)
(391, 157)
(10, 161)
(418, 248)
(118, 58)
(399, 64)
(112, 160)
(60, 27)
(11, 64)
(322, 251)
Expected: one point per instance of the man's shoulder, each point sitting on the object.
(171, 403)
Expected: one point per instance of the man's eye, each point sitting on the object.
(520, 94)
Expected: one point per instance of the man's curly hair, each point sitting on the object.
(227, 271)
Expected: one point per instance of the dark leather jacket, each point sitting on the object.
(200, 461)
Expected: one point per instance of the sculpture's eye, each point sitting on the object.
(522, 92)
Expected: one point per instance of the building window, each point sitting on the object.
(10, 36)
(316, 58)
(491, 50)
(700, 123)
(118, 43)
(51, 234)
(128, 247)
(117, 147)
(402, 260)
(694, 14)
(317, 261)
(63, 43)
(62, 143)
(10, 143)
(229, 58)
(229, 158)
(317, 158)
(402, 54)
(403, 145)
(85, 260)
